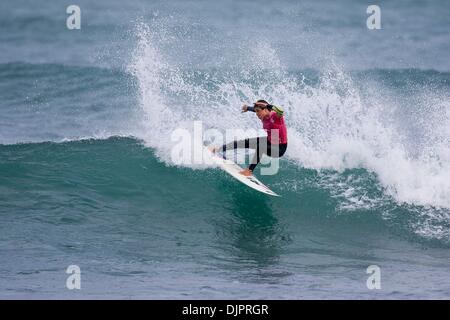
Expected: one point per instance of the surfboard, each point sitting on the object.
(233, 169)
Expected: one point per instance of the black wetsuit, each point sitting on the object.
(261, 144)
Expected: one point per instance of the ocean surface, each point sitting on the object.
(88, 177)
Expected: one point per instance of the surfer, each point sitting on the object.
(274, 144)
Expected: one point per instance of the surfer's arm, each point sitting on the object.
(246, 108)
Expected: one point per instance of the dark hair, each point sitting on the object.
(263, 101)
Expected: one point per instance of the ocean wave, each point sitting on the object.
(98, 173)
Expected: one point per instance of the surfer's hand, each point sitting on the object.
(244, 108)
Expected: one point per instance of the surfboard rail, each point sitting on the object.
(233, 169)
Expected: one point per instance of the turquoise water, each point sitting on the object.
(87, 177)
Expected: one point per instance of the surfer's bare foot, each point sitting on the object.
(246, 172)
(212, 149)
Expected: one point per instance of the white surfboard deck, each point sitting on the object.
(233, 169)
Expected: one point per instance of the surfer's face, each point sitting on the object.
(262, 113)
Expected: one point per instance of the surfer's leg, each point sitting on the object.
(265, 147)
(249, 143)
(262, 146)
(276, 150)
